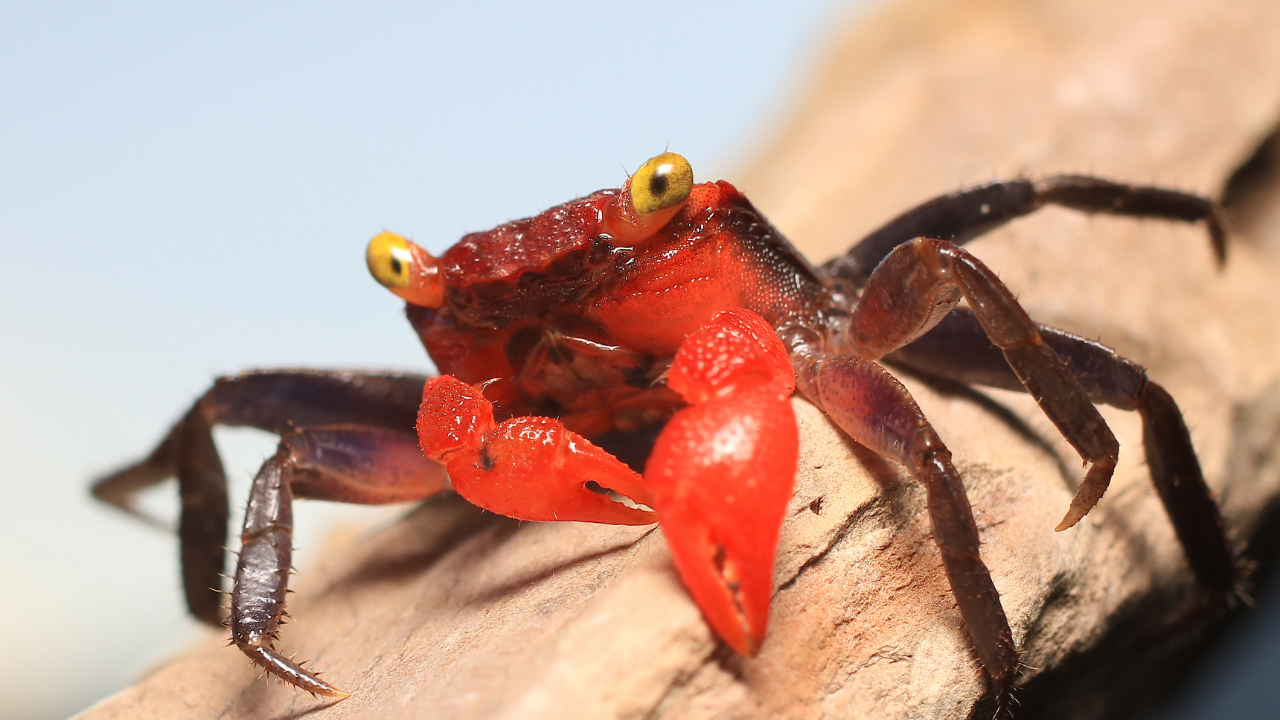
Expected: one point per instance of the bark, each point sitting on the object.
(460, 614)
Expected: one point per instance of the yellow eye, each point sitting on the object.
(660, 183)
(405, 269)
(389, 260)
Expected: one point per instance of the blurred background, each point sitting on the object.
(186, 191)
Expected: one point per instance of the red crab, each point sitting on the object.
(675, 309)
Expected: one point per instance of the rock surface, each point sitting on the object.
(461, 614)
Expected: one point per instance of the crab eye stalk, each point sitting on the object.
(649, 200)
(405, 269)
(660, 183)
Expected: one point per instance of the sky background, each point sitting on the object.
(186, 190)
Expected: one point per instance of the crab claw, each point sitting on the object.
(528, 468)
(722, 471)
(720, 478)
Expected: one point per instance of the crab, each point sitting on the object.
(662, 327)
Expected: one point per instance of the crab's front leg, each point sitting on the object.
(719, 477)
(877, 411)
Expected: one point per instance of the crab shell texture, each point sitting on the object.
(628, 300)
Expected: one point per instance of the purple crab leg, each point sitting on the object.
(961, 216)
(877, 411)
(958, 349)
(351, 463)
(914, 289)
(911, 291)
(269, 400)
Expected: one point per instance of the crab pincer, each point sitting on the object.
(528, 468)
(722, 471)
(719, 477)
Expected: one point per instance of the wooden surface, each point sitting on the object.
(457, 614)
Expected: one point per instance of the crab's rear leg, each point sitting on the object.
(273, 400)
(719, 477)
(914, 289)
(964, 215)
(958, 349)
(349, 463)
(910, 292)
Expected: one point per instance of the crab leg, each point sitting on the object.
(269, 400)
(877, 411)
(719, 477)
(958, 349)
(914, 289)
(202, 524)
(962, 216)
(349, 463)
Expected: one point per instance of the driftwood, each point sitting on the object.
(454, 613)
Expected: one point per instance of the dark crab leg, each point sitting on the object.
(877, 411)
(202, 521)
(920, 282)
(910, 292)
(269, 400)
(966, 214)
(958, 349)
(350, 463)
(262, 573)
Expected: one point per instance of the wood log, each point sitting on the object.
(455, 613)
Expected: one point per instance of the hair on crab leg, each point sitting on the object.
(958, 349)
(262, 575)
(968, 213)
(352, 463)
(877, 411)
(273, 663)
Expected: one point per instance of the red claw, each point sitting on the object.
(720, 475)
(529, 468)
(722, 471)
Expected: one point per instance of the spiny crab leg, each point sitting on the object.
(266, 554)
(719, 477)
(339, 462)
(277, 401)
